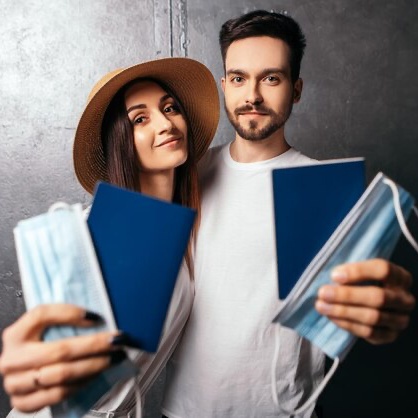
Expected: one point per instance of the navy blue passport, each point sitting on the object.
(140, 243)
(309, 203)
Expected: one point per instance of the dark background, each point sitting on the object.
(360, 99)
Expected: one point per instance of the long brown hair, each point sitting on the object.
(122, 163)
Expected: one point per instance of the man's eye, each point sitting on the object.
(272, 79)
(237, 79)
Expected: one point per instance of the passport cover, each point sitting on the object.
(140, 242)
(310, 202)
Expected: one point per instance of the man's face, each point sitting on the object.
(259, 93)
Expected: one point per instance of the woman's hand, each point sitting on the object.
(376, 313)
(37, 374)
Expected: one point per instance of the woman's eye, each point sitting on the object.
(138, 120)
(171, 108)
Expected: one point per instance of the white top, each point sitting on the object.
(122, 396)
(222, 366)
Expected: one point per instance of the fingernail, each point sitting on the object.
(93, 316)
(339, 275)
(326, 292)
(322, 307)
(117, 357)
(122, 339)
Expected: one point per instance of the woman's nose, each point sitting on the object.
(164, 124)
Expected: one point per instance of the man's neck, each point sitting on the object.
(246, 151)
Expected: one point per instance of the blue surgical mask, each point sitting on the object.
(370, 230)
(56, 255)
(58, 264)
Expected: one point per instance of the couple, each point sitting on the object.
(145, 128)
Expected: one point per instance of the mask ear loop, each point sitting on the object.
(58, 206)
(316, 392)
(399, 213)
(138, 409)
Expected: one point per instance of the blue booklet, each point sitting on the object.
(140, 243)
(309, 203)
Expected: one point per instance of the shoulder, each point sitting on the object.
(211, 158)
(295, 157)
(86, 211)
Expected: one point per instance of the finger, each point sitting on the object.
(377, 269)
(31, 325)
(59, 374)
(35, 355)
(46, 397)
(366, 316)
(373, 335)
(397, 299)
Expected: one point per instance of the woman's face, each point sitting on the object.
(159, 129)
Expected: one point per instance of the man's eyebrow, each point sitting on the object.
(143, 106)
(236, 71)
(263, 73)
(275, 70)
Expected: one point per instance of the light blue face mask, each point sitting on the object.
(370, 230)
(58, 264)
(56, 256)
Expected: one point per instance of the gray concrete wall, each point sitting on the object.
(359, 100)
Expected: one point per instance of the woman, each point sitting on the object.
(144, 128)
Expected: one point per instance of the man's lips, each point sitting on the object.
(169, 141)
(253, 113)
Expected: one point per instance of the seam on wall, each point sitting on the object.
(171, 28)
(184, 41)
(179, 28)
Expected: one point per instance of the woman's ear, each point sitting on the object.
(297, 90)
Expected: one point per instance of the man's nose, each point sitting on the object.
(254, 96)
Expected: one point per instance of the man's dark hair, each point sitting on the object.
(264, 23)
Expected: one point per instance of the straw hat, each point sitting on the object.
(190, 80)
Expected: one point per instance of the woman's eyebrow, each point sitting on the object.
(137, 106)
(144, 106)
(165, 97)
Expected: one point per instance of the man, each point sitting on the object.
(223, 365)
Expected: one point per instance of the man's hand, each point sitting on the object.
(376, 313)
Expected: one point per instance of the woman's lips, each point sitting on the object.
(170, 141)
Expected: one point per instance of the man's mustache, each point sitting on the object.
(252, 108)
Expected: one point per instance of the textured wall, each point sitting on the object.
(359, 99)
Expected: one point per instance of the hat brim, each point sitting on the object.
(190, 80)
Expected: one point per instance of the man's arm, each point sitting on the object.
(376, 313)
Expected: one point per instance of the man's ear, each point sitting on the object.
(297, 90)
(223, 84)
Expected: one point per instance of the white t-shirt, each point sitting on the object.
(223, 363)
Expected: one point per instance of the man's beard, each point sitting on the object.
(253, 133)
